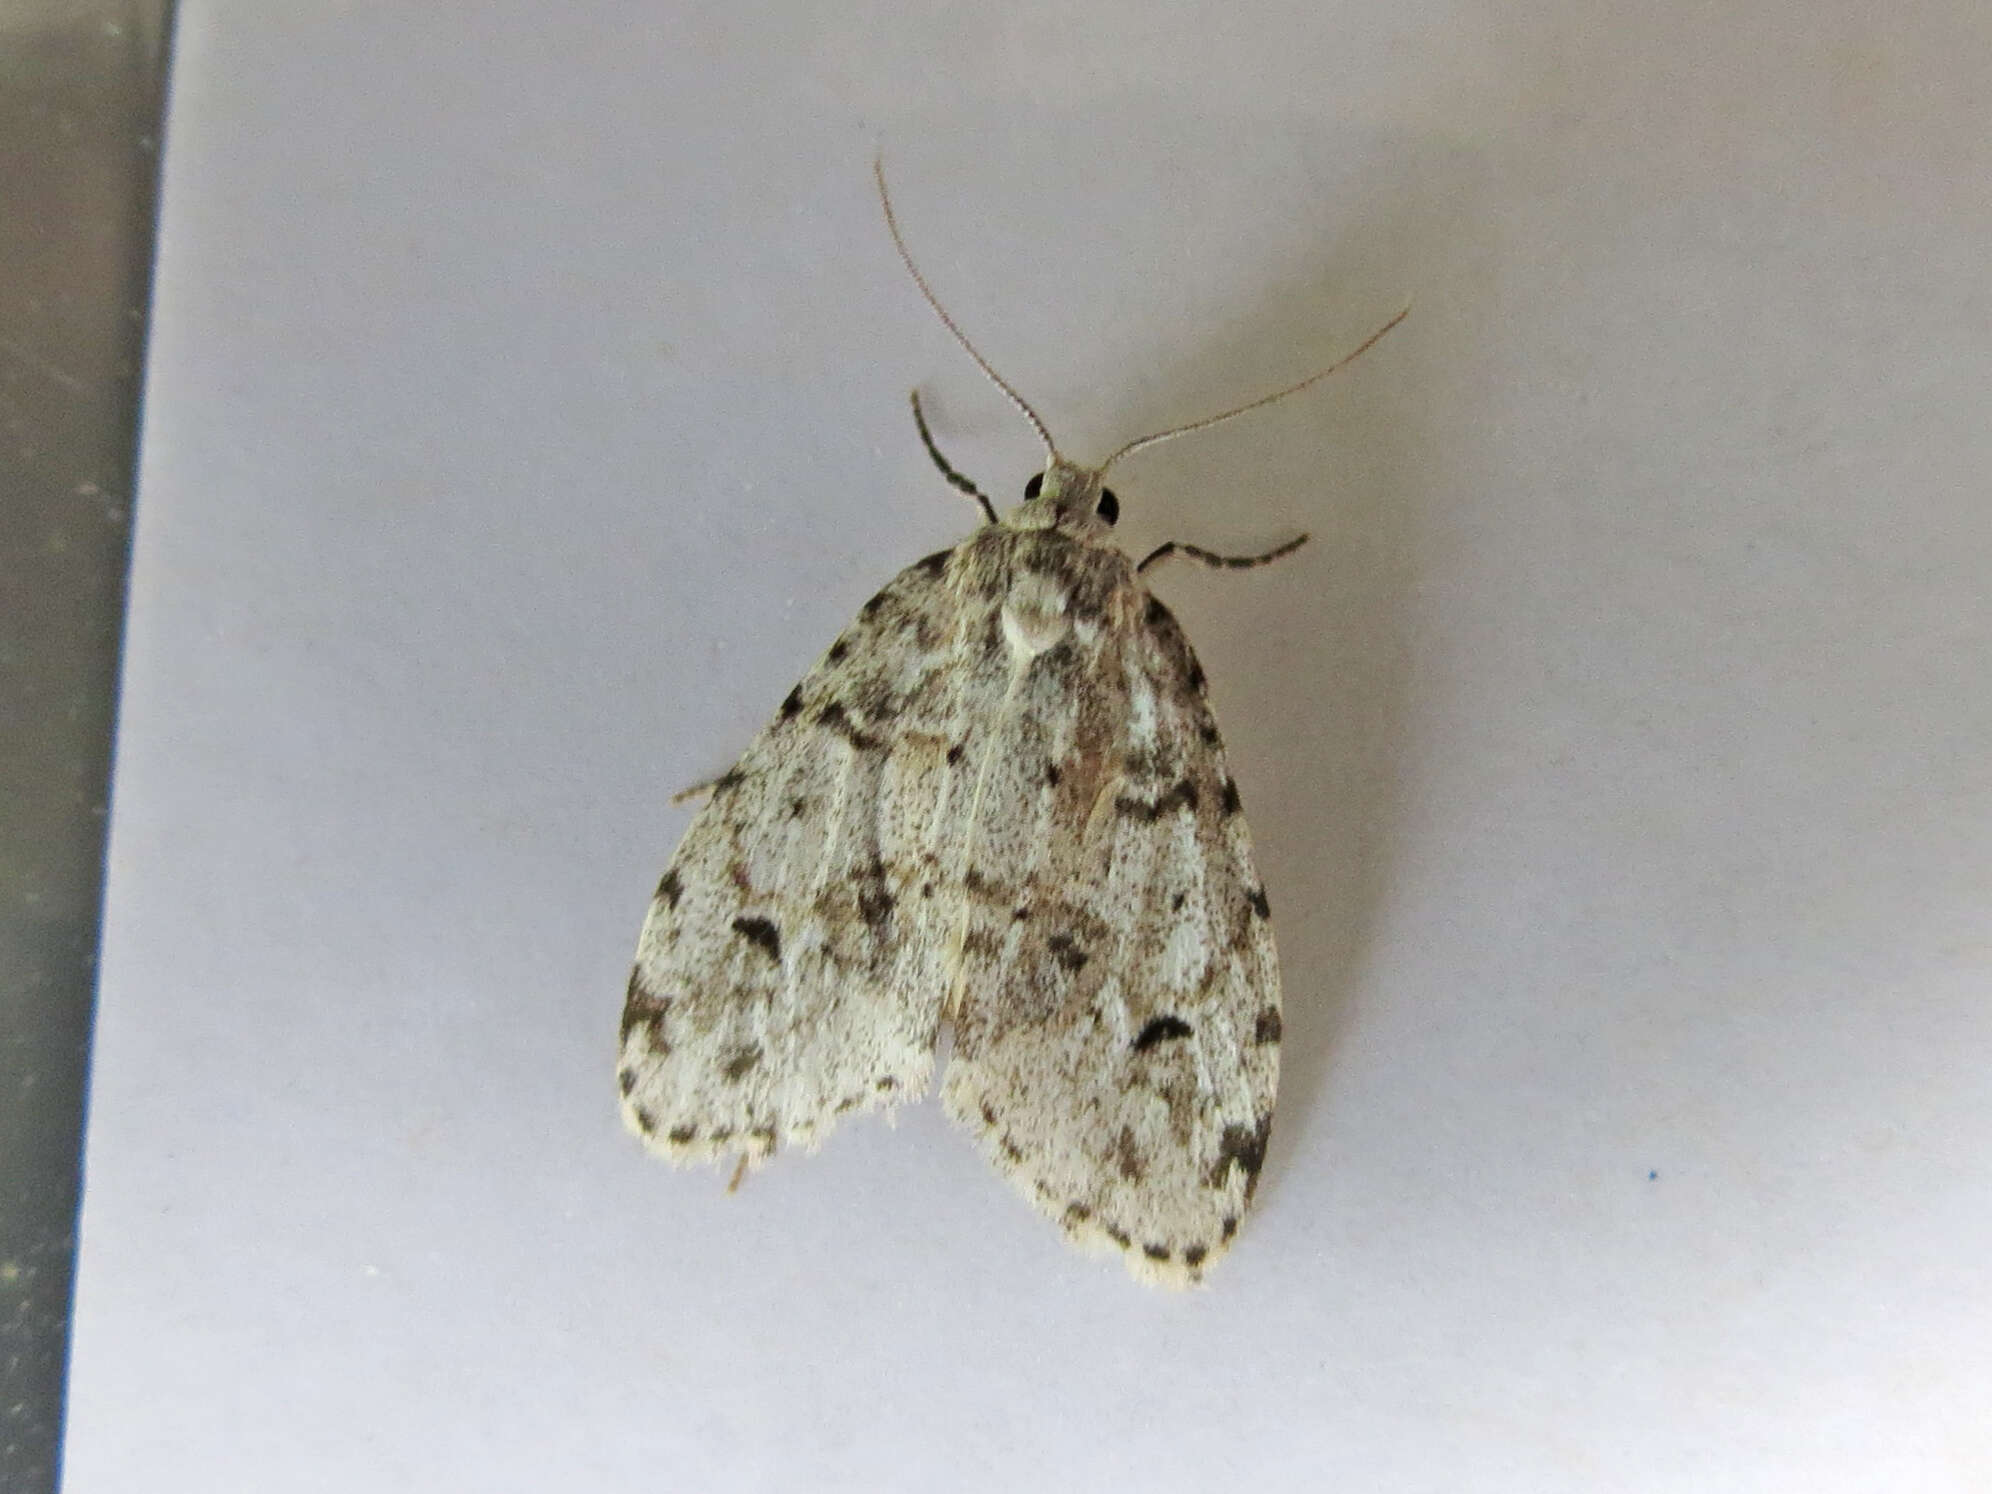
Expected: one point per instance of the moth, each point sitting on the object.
(999, 801)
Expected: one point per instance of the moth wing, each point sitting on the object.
(1117, 1036)
(789, 970)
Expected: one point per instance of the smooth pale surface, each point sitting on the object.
(526, 409)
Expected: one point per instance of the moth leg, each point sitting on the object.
(1218, 562)
(955, 479)
(697, 791)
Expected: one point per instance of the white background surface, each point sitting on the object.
(527, 409)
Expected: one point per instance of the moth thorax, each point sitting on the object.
(1034, 615)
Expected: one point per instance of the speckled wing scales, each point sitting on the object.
(787, 974)
(1117, 1035)
(1000, 798)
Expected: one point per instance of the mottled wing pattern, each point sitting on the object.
(1118, 1004)
(1000, 798)
(790, 969)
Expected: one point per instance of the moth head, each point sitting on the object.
(1068, 498)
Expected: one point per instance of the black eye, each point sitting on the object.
(1109, 509)
(1031, 487)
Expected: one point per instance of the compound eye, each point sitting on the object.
(1109, 509)
(1032, 488)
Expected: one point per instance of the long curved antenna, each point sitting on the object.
(905, 258)
(1265, 399)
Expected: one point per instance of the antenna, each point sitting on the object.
(905, 258)
(1266, 399)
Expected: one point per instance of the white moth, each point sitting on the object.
(999, 800)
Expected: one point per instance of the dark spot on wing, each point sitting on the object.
(762, 934)
(1127, 1156)
(933, 564)
(740, 1063)
(626, 1081)
(1161, 1030)
(1182, 796)
(1012, 1151)
(988, 1114)
(835, 718)
(1207, 729)
(685, 1134)
(1076, 1213)
(954, 754)
(671, 889)
(1267, 1028)
(875, 905)
(1156, 1252)
(1020, 915)
(1196, 677)
(837, 652)
(643, 1007)
(1232, 803)
(792, 703)
(645, 1121)
(1067, 952)
(728, 781)
(1244, 1148)
(1230, 1225)
(1193, 1256)
(1260, 905)
(1119, 1237)
(886, 1083)
(1176, 903)
(1157, 614)
(1051, 774)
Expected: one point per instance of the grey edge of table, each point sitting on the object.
(81, 95)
